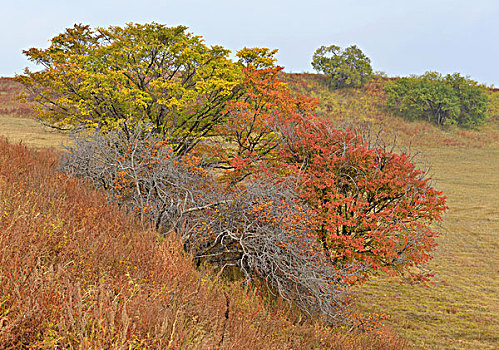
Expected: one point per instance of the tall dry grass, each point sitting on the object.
(77, 272)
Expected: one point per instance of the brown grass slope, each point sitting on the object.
(77, 272)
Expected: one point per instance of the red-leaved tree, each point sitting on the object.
(254, 126)
(369, 204)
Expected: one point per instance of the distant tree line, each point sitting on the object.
(439, 99)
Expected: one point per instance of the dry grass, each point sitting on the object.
(461, 311)
(16, 124)
(30, 132)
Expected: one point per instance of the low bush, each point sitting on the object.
(259, 226)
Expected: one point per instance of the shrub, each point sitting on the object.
(443, 100)
(369, 205)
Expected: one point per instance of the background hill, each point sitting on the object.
(366, 107)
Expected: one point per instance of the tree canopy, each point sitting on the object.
(118, 76)
(347, 68)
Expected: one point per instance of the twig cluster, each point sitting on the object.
(259, 226)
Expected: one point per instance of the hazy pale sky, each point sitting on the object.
(401, 37)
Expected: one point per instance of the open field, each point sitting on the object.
(15, 123)
(461, 311)
(29, 131)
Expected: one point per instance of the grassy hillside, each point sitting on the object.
(15, 122)
(366, 108)
(76, 272)
(460, 311)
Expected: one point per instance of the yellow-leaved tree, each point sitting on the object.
(117, 77)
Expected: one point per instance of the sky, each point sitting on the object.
(401, 37)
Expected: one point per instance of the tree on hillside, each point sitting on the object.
(118, 76)
(443, 100)
(347, 68)
(473, 100)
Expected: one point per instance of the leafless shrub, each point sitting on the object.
(258, 226)
(263, 230)
(140, 171)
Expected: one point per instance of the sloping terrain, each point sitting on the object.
(77, 272)
(365, 109)
(459, 311)
(15, 122)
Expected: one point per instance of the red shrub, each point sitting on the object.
(369, 205)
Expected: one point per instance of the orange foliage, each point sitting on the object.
(368, 204)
